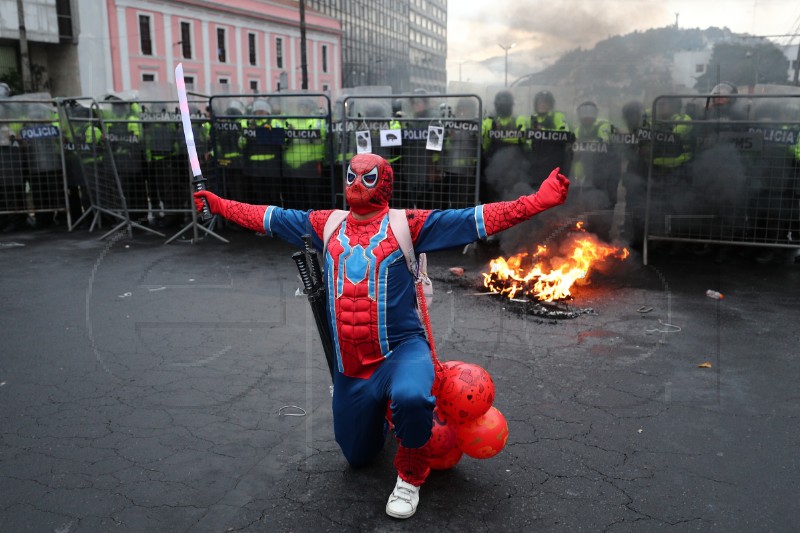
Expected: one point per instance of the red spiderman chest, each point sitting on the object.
(357, 253)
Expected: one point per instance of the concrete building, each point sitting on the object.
(94, 47)
(687, 66)
(397, 43)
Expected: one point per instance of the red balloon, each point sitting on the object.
(448, 460)
(439, 377)
(483, 437)
(466, 392)
(443, 436)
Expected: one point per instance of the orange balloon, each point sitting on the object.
(483, 437)
(448, 460)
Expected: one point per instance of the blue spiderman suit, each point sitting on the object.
(382, 354)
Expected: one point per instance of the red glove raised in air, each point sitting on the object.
(503, 215)
(551, 193)
(246, 215)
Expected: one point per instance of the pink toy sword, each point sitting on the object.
(198, 181)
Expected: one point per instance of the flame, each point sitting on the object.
(549, 278)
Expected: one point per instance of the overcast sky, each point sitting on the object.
(543, 30)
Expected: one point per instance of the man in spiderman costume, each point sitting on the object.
(382, 354)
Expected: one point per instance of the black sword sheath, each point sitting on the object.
(307, 262)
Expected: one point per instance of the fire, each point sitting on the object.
(549, 278)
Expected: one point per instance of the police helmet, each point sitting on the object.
(633, 113)
(724, 88)
(632, 109)
(374, 110)
(545, 98)
(118, 106)
(261, 105)
(419, 96)
(587, 110)
(503, 103)
(397, 107)
(235, 107)
(77, 110)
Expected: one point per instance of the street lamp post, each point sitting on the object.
(506, 48)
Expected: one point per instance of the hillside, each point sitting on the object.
(627, 65)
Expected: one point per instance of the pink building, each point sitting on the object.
(231, 46)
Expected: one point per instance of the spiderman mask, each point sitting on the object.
(368, 184)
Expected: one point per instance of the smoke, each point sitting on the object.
(718, 178)
(544, 33)
(582, 23)
(508, 176)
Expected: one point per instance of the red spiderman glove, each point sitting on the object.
(503, 215)
(246, 215)
(551, 193)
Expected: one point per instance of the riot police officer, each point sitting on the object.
(124, 137)
(304, 156)
(42, 143)
(262, 144)
(596, 167)
(549, 137)
(505, 154)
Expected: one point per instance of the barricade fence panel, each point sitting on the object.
(728, 176)
(166, 172)
(274, 149)
(148, 154)
(95, 154)
(433, 143)
(92, 180)
(32, 172)
(80, 154)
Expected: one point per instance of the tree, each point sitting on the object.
(39, 79)
(744, 64)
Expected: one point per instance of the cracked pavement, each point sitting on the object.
(141, 388)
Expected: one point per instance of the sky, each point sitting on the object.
(541, 31)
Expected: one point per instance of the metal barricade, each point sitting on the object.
(126, 161)
(166, 171)
(32, 170)
(273, 149)
(729, 177)
(433, 143)
(94, 147)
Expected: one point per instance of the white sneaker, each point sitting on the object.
(403, 500)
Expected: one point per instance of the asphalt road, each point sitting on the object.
(144, 387)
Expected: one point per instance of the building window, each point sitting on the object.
(279, 52)
(325, 87)
(186, 40)
(324, 58)
(699, 68)
(221, 45)
(223, 81)
(145, 41)
(148, 77)
(254, 85)
(189, 81)
(251, 48)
